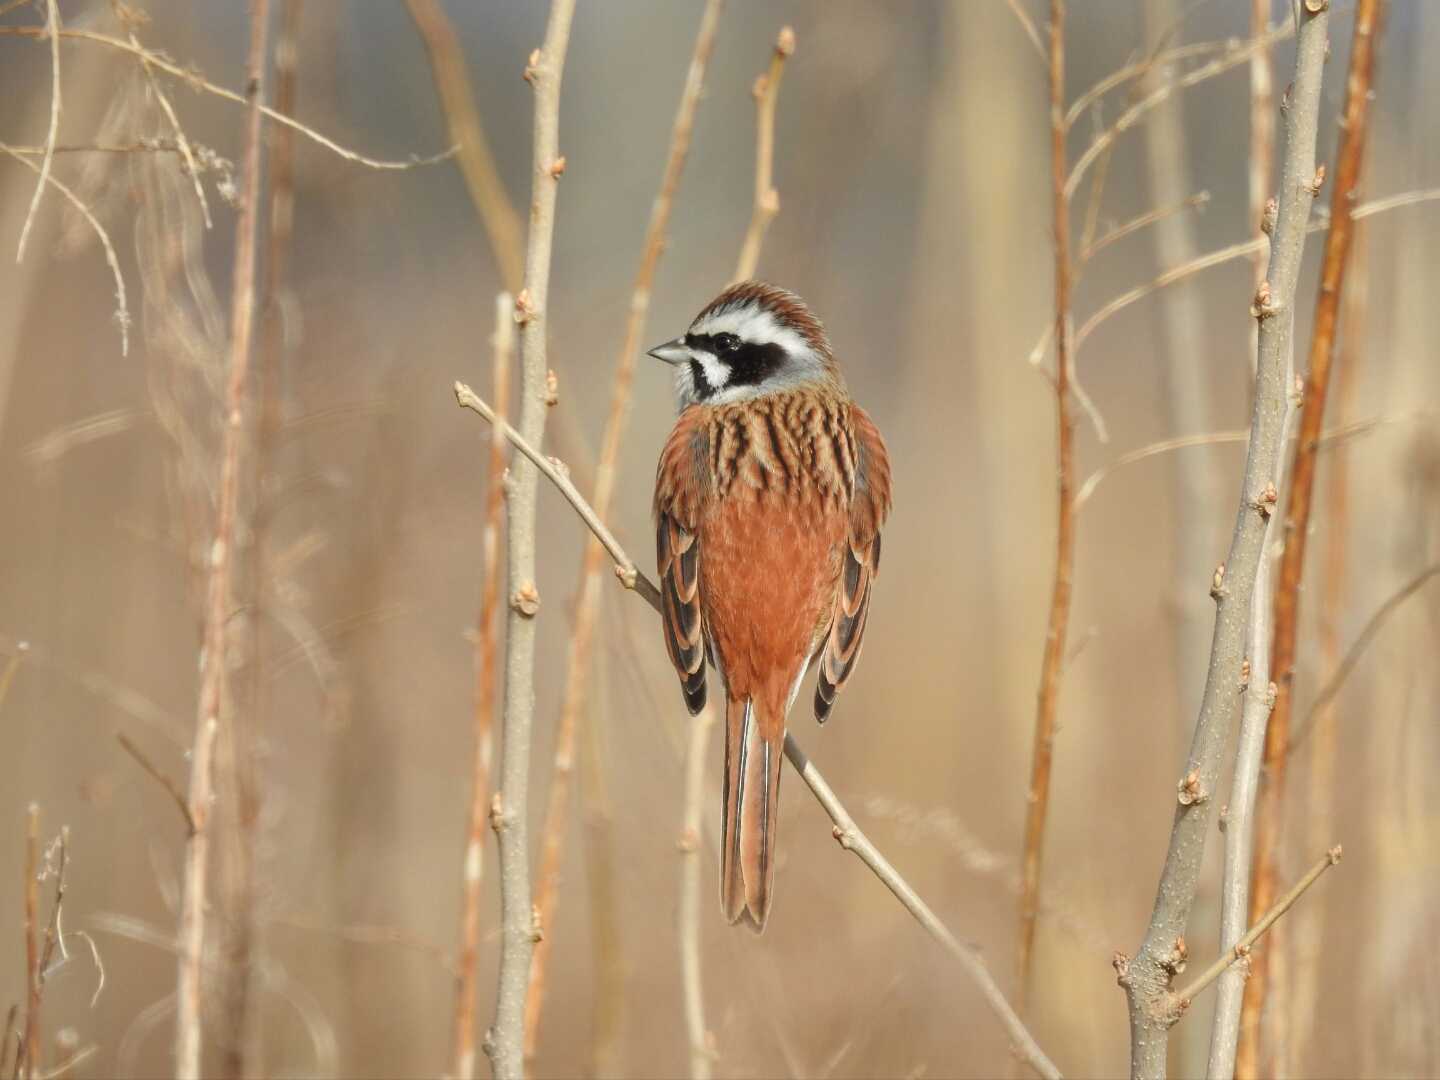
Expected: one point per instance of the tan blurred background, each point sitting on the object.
(912, 167)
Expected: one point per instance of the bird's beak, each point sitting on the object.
(672, 352)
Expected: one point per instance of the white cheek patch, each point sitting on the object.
(716, 373)
(757, 326)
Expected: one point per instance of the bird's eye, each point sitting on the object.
(727, 343)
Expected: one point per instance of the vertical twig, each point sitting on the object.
(217, 601)
(52, 31)
(1321, 789)
(1353, 127)
(1147, 978)
(28, 1058)
(502, 357)
(1262, 141)
(578, 681)
(767, 200)
(505, 1042)
(692, 985)
(1037, 801)
(462, 120)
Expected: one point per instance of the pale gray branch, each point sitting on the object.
(1147, 977)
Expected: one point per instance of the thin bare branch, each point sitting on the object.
(1354, 127)
(1027, 24)
(122, 310)
(1128, 119)
(509, 813)
(218, 599)
(555, 471)
(846, 830)
(1353, 655)
(462, 121)
(1147, 977)
(198, 82)
(52, 31)
(1242, 948)
(1198, 201)
(181, 142)
(767, 199)
(466, 979)
(1037, 802)
(166, 782)
(582, 638)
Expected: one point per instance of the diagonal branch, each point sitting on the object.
(846, 831)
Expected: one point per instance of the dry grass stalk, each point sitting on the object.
(28, 1057)
(1147, 977)
(1037, 802)
(767, 199)
(52, 32)
(467, 134)
(1354, 128)
(578, 683)
(506, 1041)
(122, 310)
(463, 1043)
(197, 82)
(214, 651)
(846, 832)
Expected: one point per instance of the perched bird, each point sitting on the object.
(769, 498)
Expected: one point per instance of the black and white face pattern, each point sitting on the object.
(738, 353)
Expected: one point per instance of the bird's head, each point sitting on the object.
(751, 340)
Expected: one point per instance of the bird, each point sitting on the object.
(770, 495)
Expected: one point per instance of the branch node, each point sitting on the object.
(1265, 504)
(1174, 961)
(1244, 673)
(1314, 7)
(1315, 185)
(1264, 304)
(785, 43)
(1268, 218)
(1217, 583)
(1335, 854)
(1189, 791)
(1121, 963)
(526, 599)
(844, 837)
(537, 930)
(524, 308)
(557, 168)
(689, 841)
(627, 575)
(532, 69)
(552, 390)
(498, 821)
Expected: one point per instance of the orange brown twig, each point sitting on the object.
(1354, 127)
(503, 356)
(1037, 802)
(28, 1057)
(191, 934)
(467, 134)
(767, 199)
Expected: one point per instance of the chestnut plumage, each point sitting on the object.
(769, 499)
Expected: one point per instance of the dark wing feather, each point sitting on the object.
(868, 510)
(678, 552)
(679, 488)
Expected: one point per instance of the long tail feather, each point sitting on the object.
(753, 752)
